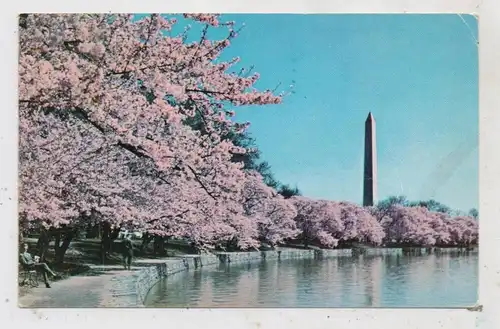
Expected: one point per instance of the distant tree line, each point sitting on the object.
(431, 205)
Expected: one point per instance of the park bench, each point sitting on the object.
(29, 277)
(28, 274)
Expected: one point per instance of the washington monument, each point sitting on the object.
(370, 170)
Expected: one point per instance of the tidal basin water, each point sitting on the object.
(444, 280)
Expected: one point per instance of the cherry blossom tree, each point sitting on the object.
(273, 214)
(408, 225)
(317, 219)
(118, 91)
(332, 223)
(383, 208)
(126, 125)
(67, 177)
(438, 222)
(359, 224)
(419, 226)
(463, 230)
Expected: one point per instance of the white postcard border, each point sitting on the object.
(489, 180)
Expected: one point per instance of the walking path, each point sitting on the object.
(102, 286)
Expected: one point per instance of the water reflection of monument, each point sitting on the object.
(374, 281)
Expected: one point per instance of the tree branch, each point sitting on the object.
(164, 217)
(200, 182)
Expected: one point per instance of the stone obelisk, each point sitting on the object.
(370, 170)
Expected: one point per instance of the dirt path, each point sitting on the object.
(94, 289)
(102, 286)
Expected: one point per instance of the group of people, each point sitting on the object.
(33, 263)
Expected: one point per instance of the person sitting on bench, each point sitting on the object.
(43, 268)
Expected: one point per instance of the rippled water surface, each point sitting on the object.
(378, 281)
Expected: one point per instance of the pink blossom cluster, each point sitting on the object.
(419, 226)
(211, 19)
(273, 214)
(330, 223)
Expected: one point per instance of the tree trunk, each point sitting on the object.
(155, 245)
(60, 249)
(195, 247)
(57, 241)
(96, 231)
(146, 240)
(166, 244)
(89, 231)
(105, 241)
(305, 241)
(108, 236)
(162, 246)
(93, 231)
(43, 244)
(159, 246)
(115, 233)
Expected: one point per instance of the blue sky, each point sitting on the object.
(418, 75)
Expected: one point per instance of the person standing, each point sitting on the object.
(128, 252)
